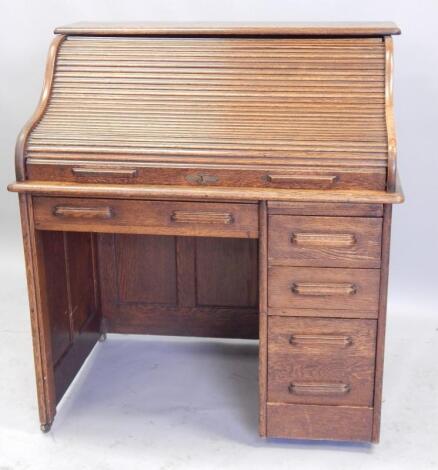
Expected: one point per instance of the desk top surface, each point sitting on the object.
(231, 29)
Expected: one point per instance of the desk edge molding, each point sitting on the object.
(211, 193)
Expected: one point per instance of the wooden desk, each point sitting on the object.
(217, 180)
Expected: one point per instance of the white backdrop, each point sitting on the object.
(411, 380)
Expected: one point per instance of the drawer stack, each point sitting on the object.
(323, 301)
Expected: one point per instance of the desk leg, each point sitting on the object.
(39, 322)
(263, 315)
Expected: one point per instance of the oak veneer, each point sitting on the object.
(147, 217)
(217, 180)
(341, 423)
(321, 288)
(321, 361)
(348, 29)
(325, 241)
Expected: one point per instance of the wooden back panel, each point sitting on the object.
(189, 286)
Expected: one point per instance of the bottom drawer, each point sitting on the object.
(340, 423)
(320, 361)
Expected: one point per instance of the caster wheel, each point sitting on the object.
(45, 428)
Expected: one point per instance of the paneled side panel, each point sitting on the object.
(226, 272)
(70, 299)
(56, 295)
(85, 317)
(146, 269)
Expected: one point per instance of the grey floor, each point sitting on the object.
(169, 403)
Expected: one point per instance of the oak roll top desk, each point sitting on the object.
(217, 180)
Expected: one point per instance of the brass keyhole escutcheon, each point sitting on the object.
(202, 178)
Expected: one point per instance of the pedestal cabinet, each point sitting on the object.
(227, 181)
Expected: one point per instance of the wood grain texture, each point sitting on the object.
(325, 209)
(289, 101)
(258, 176)
(69, 301)
(156, 158)
(319, 312)
(381, 328)
(359, 288)
(145, 269)
(263, 317)
(389, 116)
(204, 322)
(147, 217)
(41, 340)
(186, 278)
(352, 242)
(56, 299)
(226, 272)
(169, 285)
(321, 361)
(342, 423)
(23, 137)
(207, 193)
(231, 29)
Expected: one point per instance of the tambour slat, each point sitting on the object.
(215, 100)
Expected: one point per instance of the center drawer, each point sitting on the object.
(321, 361)
(208, 219)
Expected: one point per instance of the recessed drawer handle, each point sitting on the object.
(125, 173)
(336, 340)
(83, 212)
(202, 217)
(326, 180)
(338, 240)
(319, 388)
(315, 289)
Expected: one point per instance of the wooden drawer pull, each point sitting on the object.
(325, 180)
(321, 289)
(204, 217)
(83, 212)
(111, 172)
(338, 240)
(319, 388)
(336, 340)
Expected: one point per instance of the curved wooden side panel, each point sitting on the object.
(389, 116)
(42, 105)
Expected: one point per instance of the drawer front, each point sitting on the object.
(341, 423)
(323, 288)
(321, 361)
(338, 209)
(298, 178)
(147, 217)
(325, 241)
